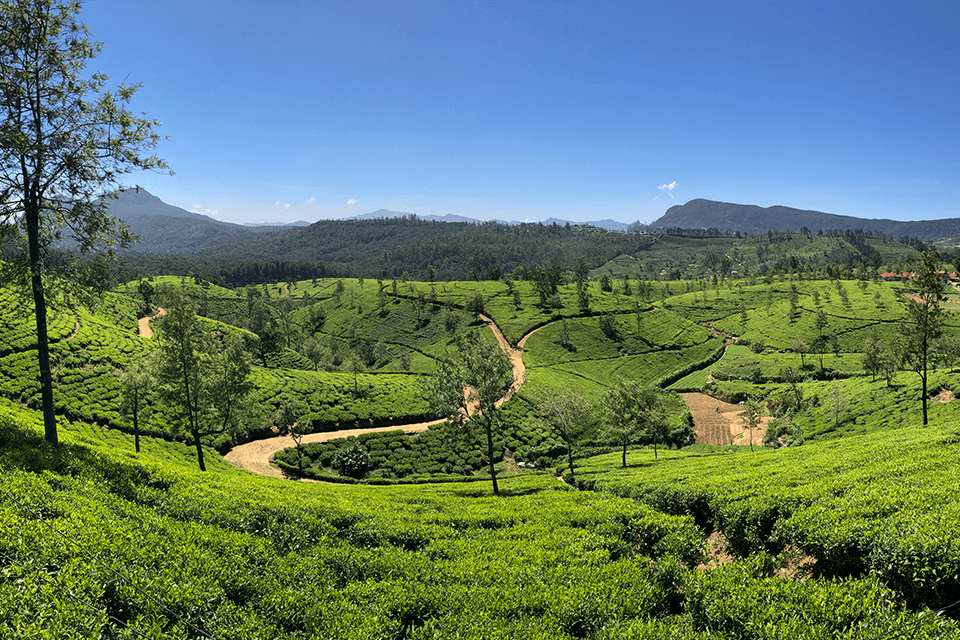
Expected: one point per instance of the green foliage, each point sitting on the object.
(65, 143)
(352, 462)
(229, 553)
(782, 432)
(856, 505)
(468, 389)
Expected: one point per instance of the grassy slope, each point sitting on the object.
(881, 503)
(228, 554)
(254, 557)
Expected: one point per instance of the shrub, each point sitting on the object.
(352, 461)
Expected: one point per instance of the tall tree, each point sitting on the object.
(466, 390)
(135, 383)
(204, 377)
(568, 415)
(924, 326)
(630, 411)
(65, 142)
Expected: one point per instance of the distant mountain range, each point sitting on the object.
(298, 223)
(749, 219)
(168, 230)
(610, 225)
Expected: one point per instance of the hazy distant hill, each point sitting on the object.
(746, 218)
(298, 223)
(387, 213)
(611, 225)
(137, 203)
(165, 229)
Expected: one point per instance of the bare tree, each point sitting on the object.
(753, 412)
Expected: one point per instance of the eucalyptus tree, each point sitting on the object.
(203, 376)
(630, 411)
(136, 381)
(919, 336)
(65, 143)
(466, 390)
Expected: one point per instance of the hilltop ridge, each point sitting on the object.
(750, 219)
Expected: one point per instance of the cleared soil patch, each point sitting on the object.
(944, 396)
(721, 423)
(795, 565)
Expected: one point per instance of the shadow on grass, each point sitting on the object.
(23, 448)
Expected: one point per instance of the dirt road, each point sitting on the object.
(145, 330)
(256, 456)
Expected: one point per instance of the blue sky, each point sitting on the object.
(526, 110)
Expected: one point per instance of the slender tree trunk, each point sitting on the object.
(199, 447)
(923, 394)
(136, 422)
(32, 214)
(570, 457)
(493, 469)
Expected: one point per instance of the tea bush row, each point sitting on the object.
(881, 504)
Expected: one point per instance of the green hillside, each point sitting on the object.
(846, 536)
(97, 543)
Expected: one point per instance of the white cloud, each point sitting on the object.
(668, 188)
(310, 201)
(352, 201)
(199, 208)
(285, 205)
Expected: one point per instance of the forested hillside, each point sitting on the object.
(439, 251)
(751, 219)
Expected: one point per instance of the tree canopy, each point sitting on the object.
(466, 389)
(65, 143)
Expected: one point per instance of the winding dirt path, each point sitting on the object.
(256, 456)
(515, 355)
(145, 330)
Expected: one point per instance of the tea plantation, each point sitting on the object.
(99, 543)
(851, 535)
